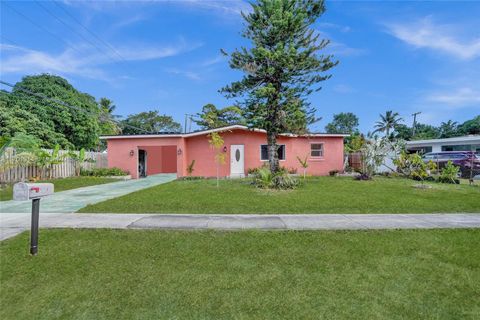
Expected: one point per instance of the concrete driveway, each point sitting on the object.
(75, 199)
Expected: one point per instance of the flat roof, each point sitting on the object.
(221, 129)
(463, 139)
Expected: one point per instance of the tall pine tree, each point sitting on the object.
(281, 68)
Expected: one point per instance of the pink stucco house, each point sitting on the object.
(144, 155)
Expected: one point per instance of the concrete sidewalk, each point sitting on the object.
(12, 224)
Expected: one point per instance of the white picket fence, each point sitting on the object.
(62, 170)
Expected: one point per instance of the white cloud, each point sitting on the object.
(457, 98)
(128, 21)
(341, 49)
(81, 60)
(188, 74)
(424, 33)
(213, 61)
(328, 25)
(234, 7)
(229, 6)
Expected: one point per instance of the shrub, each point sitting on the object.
(333, 173)
(363, 177)
(413, 166)
(449, 174)
(264, 179)
(189, 178)
(104, 172)
(304, 163)
(284, 181)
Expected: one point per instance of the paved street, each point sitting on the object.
(14, 223)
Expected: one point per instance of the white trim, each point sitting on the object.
(233, 127)
(464, 139)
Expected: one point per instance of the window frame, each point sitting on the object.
(284, 152)
(323, 150)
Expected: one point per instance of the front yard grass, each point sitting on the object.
(61, 185)
(140, 274)
(318, 195)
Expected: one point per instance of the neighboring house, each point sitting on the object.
(465, 143)
(245, 148)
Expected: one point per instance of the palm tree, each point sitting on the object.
(107, 118)
(387, 122)
(448, 129)
(107, 105)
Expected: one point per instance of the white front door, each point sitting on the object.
(237, 161)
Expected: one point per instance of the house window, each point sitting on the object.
(264, 152)
(316, 150)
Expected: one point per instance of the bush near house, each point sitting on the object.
(104, 172)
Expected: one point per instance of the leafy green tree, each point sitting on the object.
(448, 129)
(470, 126)
(79, 128)
(149, 122)
(403, 132)
(211, 117)
(16, 120)
(282, 67)
(344, 122)
(355, 142)
(425, 132)
(387, 122)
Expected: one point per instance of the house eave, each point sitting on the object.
(222, 129)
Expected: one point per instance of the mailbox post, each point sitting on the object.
(32, 191)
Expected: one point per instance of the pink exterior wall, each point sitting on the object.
(119, 154)
(160, 159)
(181, 151)
(199, 149)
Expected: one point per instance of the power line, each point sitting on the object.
(40, 26)
(44, 8)
(60, 102)
(89, 31)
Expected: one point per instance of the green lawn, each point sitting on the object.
(113, 274)
(62, 185)
(318, 195)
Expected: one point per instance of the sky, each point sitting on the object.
(407, 56)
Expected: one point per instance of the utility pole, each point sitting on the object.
(414, 122)
(188, 117)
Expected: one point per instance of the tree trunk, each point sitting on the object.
(273, 152)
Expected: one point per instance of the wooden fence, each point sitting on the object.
(355, 160)
(62, 170)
